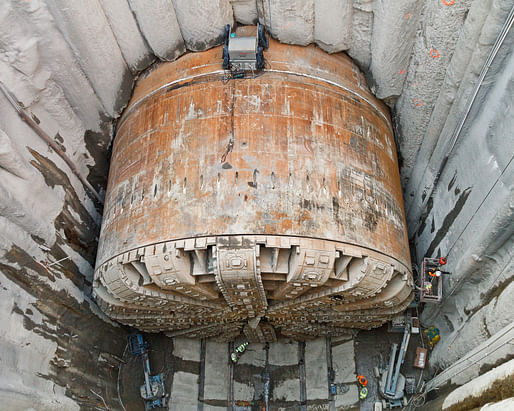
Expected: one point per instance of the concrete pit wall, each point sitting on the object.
(72, 66)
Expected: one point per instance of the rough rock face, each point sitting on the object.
(158, 22)
(71, 65)
(475, 230)
(394, 28)
(133, 45)
(362, 28)
(53, 337)
(433, 50)
(289, 22)
(333, 24)
(245, 11)
(94, 44)
(202, 22)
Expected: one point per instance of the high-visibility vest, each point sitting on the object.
(363, 393)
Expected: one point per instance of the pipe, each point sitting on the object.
(399, 362)
(22, 112)
(390, 370)
(146, 370)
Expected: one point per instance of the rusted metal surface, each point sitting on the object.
(276, 197)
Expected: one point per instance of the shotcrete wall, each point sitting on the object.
(72, 64)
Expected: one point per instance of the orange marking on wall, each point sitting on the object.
(434, 53)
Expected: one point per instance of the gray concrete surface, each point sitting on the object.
(333, 24)
(344, 367)
(202, 22)
(316, 372)
(245, 11)
(186, 349)
(158, 22)
(254, 354)
(72, 66)
(362, 29)
(132, 44)
(394, 27)
(288, 390)
(432, 52)
(216, 371)
(284, 352)
(343, 362)
(184, 392)
(289, 22)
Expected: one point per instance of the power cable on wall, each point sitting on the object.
(27, 118)
(457, 131)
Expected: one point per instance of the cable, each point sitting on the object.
(102, 398)
(22, 112)
(485, 69)
(119, 372)
(480, 206)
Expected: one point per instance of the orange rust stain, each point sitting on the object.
(248, 156)
(287, 224)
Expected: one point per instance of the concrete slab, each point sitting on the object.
(349, 399)
(216, 371)
(186, 348)
(254, 355)
(284, 352)
(316, 372)
(213, 408)
(343, 362)
(184, 392)
(243, 392)
(288, 390)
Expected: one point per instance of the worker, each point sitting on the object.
(233, 357)
(428, 287)
(362, 380)
(241, 348)
(363, 393)
(433, 335)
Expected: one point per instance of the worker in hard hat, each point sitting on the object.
(241, 348)
(433, 335)
(362, 380)
(363, 393)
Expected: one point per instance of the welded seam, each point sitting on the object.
(333, 83)
(152, 93)
(293, 73)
